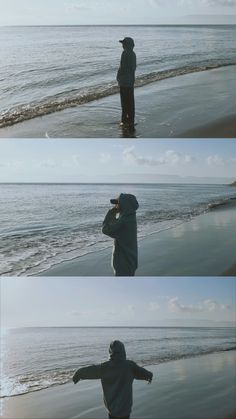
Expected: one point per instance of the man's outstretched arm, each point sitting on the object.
(141, 373)
(92, 372)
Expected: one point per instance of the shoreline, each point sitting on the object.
(203, 246)
(164, 109)
(204, 385)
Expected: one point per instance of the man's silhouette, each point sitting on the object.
(117, 376)
(126, 78)
(120, 224)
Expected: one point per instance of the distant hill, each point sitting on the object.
(233, 184)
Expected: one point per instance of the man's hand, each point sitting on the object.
(150, 378)
(76, 377)
(115, 209)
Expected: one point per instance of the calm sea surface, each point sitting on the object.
(38, 358)
(45, 224)
(46, 69)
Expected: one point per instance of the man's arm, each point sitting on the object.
(111, 225)
(141, 373)
(92, 372)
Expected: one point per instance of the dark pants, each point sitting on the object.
(127, 105)
(124, 273)
(113, 417)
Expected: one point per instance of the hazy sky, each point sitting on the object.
(116, 160)
(80, 12)
(124, 301)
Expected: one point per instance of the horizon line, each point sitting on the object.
(119, 24)
(119, 327)
(113, 183)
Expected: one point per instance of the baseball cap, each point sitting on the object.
(114, 201)
(127, 40)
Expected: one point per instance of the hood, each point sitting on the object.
(117, 350)
(129, 47)
(127, 42)
(128, 203)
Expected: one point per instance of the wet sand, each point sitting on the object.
(204, 246)
(200, 105)
(224, 128)
(195, 388)
(231, 271)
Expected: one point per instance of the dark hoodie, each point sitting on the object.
(117, 376)
(124, 230)
(126, 71)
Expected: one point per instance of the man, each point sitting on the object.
(126, 78)
(117, 376)
(120, 224)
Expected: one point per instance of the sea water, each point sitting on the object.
(37, 358)
(45, 224)
(50, 68)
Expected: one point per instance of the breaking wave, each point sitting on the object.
(29, 383)
(75, 97)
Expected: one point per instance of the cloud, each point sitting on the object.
(207, 306)
(92, 5)
(126, 310)
(215, 160)
(169, 157)
(211, 305)
(73, 7)
(104, 157)
(175, 305)
(13, 164)
(49, 163)
(189, 159)
(130, 156)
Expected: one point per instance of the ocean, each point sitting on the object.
(37, 358)
(45, 224)
(52, 68)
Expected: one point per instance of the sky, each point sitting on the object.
(91, 12)
(42, 302)
(119, 161)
